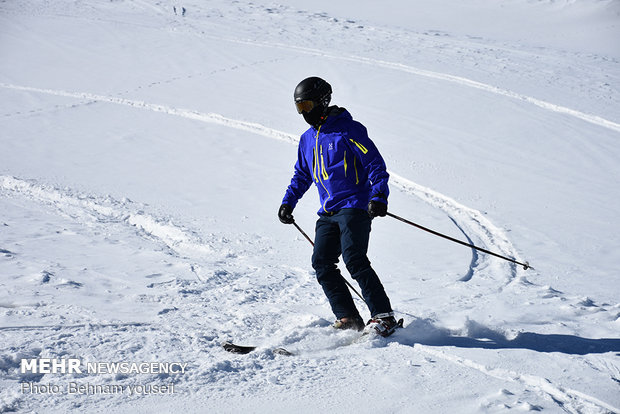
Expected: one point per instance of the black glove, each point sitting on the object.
(377, 208)
(285, 214)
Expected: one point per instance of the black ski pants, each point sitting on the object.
(347, 232)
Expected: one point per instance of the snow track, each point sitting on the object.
(89, 209)
(409, 39)
(184, 113)
(459, 80)
(569, 400)
(186, 252)
(593, 119)
(467, 218)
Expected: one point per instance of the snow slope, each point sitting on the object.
(144, 155)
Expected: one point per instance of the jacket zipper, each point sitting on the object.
(317, 173)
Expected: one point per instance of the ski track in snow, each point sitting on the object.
(184, 242)
(184, 113)
(570, 400)
(591, 118)
(487, 232)
(91, 209)
(446, 77)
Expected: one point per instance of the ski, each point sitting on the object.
(242, 350)
(237, 349)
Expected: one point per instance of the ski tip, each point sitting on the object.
(242, 350)
(237, 349)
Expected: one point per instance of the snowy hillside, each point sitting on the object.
(145, 147)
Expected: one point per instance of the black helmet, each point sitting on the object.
(311, 93)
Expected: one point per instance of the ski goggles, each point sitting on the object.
(304, 106)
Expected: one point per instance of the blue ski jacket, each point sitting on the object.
(343, 163)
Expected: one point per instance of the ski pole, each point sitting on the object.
(304, 233)
(525, 265)
(343, 278)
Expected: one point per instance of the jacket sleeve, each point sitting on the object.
(372, 161)
(301, 181)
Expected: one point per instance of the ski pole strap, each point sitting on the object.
(525, 265)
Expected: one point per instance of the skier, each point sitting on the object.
(338, 156)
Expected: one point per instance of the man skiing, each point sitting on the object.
(338, 156)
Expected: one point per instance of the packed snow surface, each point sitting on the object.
(145, 147)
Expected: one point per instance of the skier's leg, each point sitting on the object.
(355, 234)
(324, 260)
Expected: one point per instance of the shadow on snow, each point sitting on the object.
(423, 331)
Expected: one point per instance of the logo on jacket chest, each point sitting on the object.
(330, 146)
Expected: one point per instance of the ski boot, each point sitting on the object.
(354, 322)
(383, 324)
